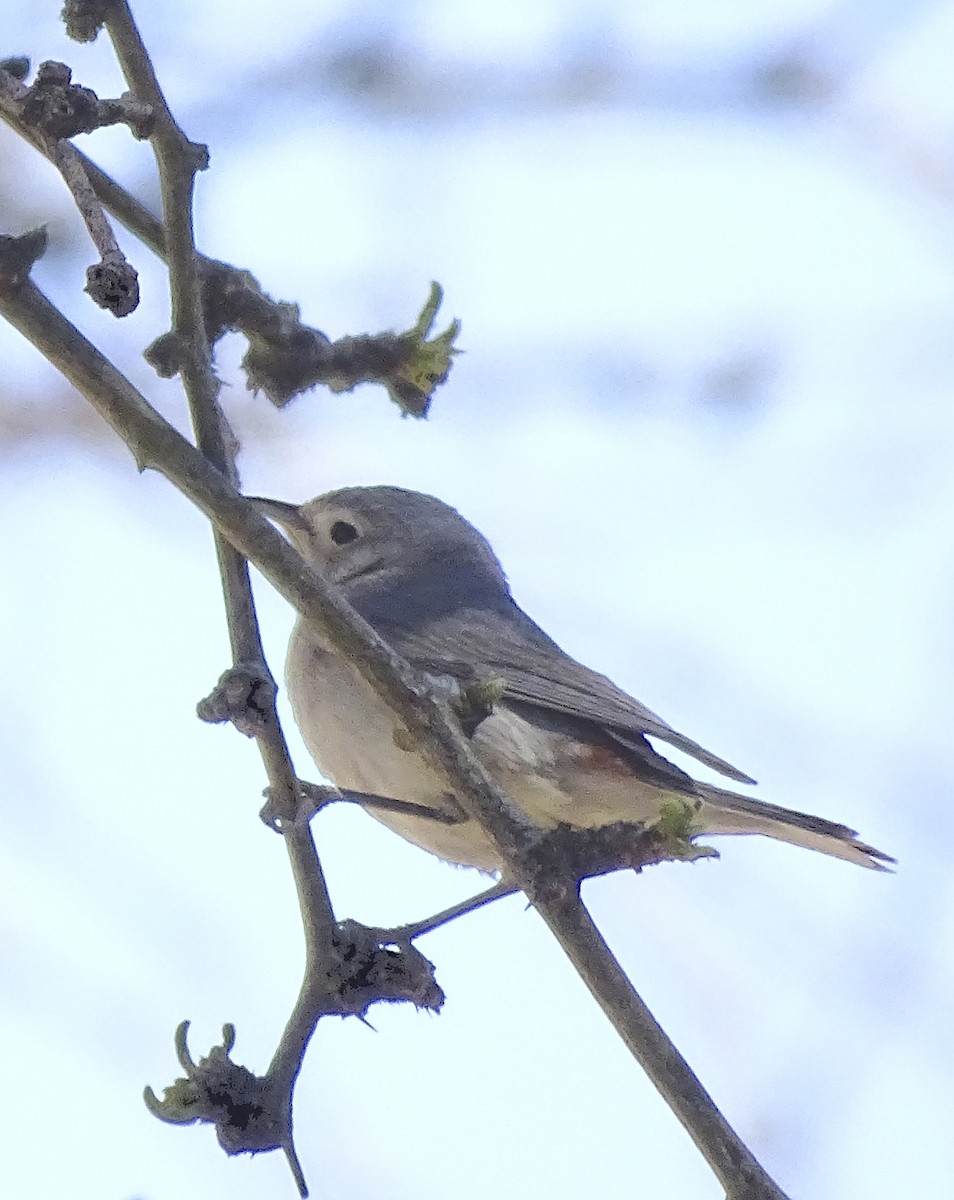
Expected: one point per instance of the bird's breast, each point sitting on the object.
(359, 743)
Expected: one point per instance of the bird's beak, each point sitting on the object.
(287, 516)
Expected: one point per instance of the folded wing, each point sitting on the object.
(505, 643)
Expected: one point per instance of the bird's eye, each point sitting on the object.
(343, 532)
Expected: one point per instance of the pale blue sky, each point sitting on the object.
(771, 571)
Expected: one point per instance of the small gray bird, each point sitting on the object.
(564, 742)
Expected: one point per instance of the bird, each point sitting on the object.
(568, 746)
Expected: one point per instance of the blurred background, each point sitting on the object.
(704, 259)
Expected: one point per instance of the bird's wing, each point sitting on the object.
(507, 644)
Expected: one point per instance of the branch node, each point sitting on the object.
(57, 106)
(245, 695)
(167, 354)
(248, 1114)
(61, 109)
(18, 67)
(564, 856)
(140, 118)
(18, 254)
(367, 970)
(113, 283)
(197, 156)
(84, 18)
(310, 800)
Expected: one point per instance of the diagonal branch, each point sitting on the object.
(157, 444)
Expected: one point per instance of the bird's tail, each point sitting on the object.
(727, 812)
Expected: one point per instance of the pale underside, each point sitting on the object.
(550, 775)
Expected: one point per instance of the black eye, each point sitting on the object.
(343, 532)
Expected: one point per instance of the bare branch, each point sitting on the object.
(730, 1159)
(178, 160)
(157, 444)
(314, 797)
(407, 933)
(48, 108)
(61, 109)
(285, 356)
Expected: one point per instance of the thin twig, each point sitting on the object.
(127, 210)
(178, 160)
(113, 282)
(67, 162)
(157, 444)
(285, 357)
(124, 206)
(315, 797)
(407, 933)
